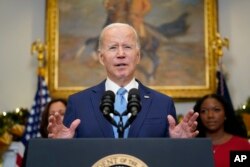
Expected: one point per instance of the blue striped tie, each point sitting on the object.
(120, 106)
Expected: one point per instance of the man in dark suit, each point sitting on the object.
(119, 53)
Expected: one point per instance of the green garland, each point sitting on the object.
(10, 118)
(244, 108)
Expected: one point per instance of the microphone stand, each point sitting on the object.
(120, 126)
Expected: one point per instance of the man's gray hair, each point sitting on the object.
(117, 25)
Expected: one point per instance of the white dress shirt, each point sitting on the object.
(110, 85)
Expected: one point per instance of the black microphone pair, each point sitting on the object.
(133, 106)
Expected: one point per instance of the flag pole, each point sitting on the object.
(38, 48)
(222, 88)
(42, 95)
(218, 44)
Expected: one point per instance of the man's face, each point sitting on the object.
(119, 54)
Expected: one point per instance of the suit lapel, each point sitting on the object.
(96, 96)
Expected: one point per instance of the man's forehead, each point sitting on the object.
(119, 37)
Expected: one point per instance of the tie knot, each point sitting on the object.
(121, 91)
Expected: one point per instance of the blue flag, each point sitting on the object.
(222, 88)
(41, 99)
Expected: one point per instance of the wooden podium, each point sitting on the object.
(132, 152)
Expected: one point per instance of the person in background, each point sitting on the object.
(119, 53)
(55, 105)
(137, 10)
(217, 120)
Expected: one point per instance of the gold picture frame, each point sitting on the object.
(192, 53)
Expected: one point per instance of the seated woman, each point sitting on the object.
(217, 121)
(55, 105)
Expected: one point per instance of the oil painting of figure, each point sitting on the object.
(171, 32)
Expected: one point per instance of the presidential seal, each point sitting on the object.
(119, 160)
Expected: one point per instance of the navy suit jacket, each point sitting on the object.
(150, 122)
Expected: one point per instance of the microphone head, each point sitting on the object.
(133, 107)
(107, 106)
(133, 93)
(107, 102)
(134, 102)
(109, 94)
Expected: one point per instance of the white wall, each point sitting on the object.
(22, 22)
(235, 24)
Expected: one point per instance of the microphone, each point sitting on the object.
(133, 107)
(107, 106)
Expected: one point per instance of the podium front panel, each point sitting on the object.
(154, 152)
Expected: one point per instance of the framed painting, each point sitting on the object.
(177, 44)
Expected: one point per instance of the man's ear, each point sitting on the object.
(100, 56)
(138, 57)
